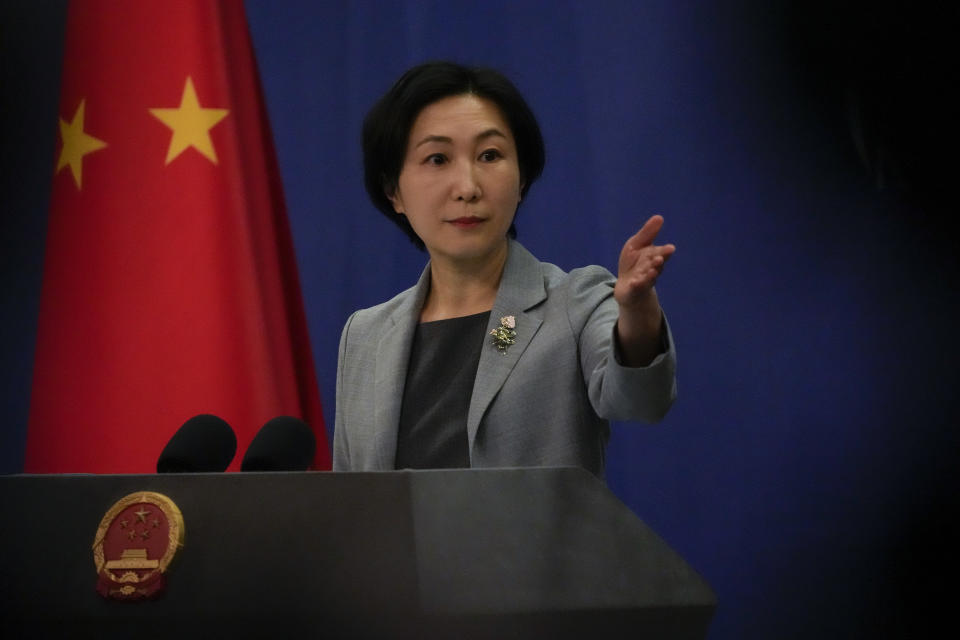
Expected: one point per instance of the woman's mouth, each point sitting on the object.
(466, 222)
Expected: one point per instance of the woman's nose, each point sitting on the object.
(466, 187)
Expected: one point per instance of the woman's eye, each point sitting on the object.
(436, 159)
(490, 155)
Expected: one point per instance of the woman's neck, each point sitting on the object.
(463, 288)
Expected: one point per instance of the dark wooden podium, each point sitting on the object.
(512, 553)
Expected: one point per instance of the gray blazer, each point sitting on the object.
(546, 402)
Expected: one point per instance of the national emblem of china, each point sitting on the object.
(135, 543)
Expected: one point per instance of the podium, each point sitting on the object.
(505, 553)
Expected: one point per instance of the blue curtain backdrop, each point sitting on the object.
(807, 468)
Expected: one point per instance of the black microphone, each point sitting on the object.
(204, 443)
(282, 444)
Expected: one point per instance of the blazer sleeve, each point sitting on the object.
(617, 392)
(341, 450)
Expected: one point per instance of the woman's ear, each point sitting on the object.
(393, 195)
(397, 202)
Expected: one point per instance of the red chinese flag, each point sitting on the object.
(170, 284)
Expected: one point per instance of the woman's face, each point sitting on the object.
(460, 182)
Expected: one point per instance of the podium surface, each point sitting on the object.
(419, 554)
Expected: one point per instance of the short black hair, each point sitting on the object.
(386, 129)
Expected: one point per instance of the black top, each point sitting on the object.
(436, 397)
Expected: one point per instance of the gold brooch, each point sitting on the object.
(505, 335)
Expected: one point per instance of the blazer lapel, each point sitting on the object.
(521, 289)
(393, 355)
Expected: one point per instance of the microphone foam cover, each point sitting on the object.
(204, 443)
(282, 444)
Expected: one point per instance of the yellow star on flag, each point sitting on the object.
(191, 125)
(76, 144)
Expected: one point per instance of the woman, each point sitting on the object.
(493, 359)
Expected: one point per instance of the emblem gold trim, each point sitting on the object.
(175, 542)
